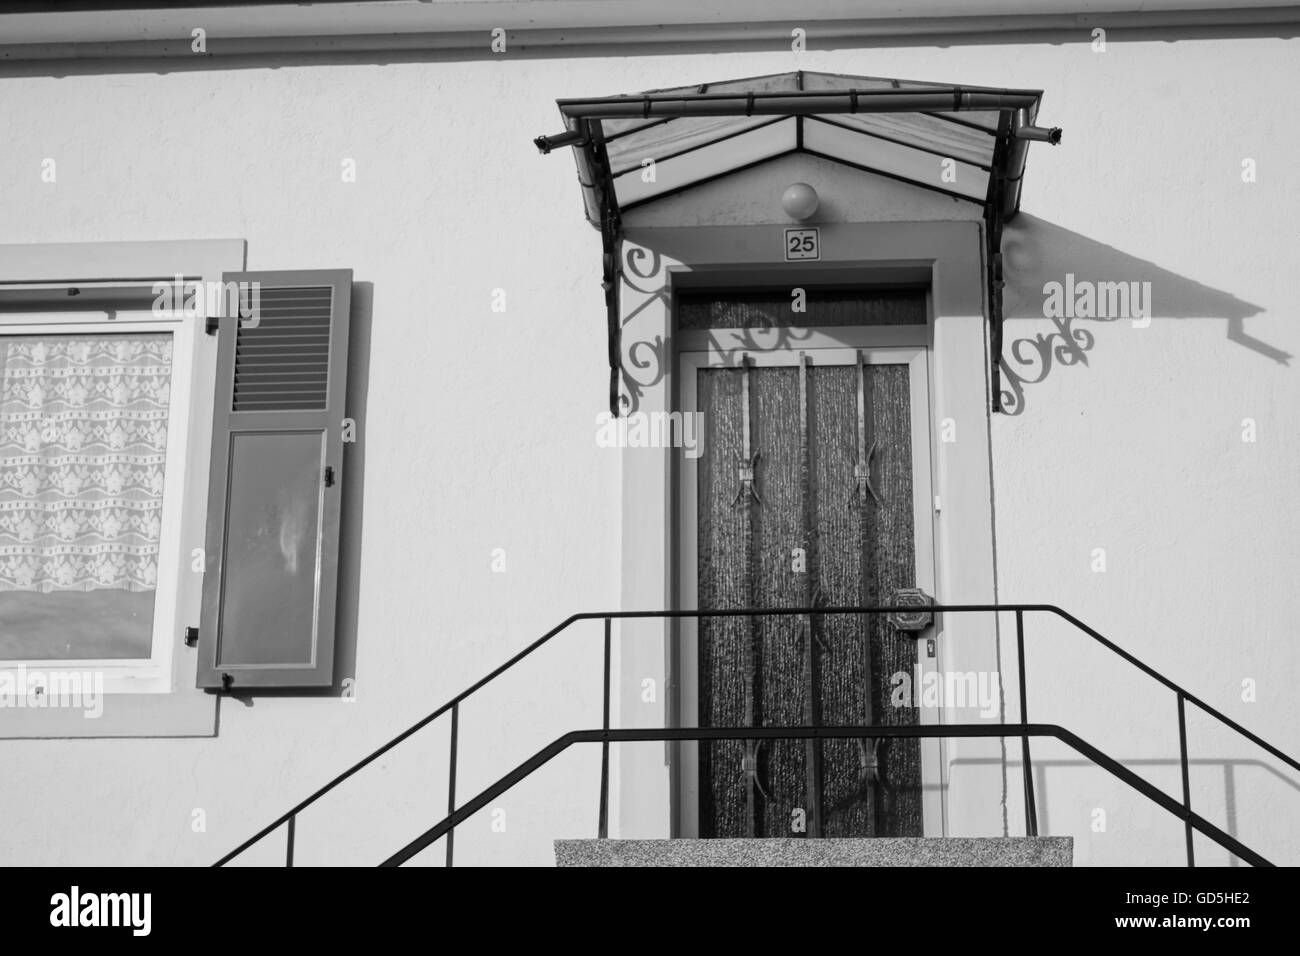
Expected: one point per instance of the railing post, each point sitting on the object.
(288, 851)
(451, 779)
(1031, 811)
(602, 826)
(1187, 786)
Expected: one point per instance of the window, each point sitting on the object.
(87, 290)
(93, 426)
(155, 479)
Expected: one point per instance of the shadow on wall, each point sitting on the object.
(1230, 768)
(352, 483)
(1098, 283)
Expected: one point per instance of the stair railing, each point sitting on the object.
(605, 737)
(1183, 697)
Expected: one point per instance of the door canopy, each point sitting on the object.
(901, 129)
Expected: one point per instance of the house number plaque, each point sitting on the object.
(803, 244)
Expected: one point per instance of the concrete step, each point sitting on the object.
(879, 851)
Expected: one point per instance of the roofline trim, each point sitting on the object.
(51, 43)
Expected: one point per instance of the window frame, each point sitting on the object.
(184, 710)
(152, 675)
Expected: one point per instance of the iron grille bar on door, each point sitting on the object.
(869, 787)
(752, 647)
(811, 591)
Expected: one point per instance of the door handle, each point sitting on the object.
(913, 621)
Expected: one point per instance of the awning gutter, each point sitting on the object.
(675, 105)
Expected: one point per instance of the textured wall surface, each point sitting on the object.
(480, 428)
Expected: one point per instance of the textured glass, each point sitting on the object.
(825, 308)
(899, 160)
(907, 145)
(925, 132)
(678, 172)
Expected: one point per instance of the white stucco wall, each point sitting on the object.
(480, 425)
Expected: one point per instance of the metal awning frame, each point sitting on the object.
(1017, 111)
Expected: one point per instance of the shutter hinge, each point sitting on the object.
(226, 683)
(212, 324)
(329, 476)
(191, 636)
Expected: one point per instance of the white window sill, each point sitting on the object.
(186, 712)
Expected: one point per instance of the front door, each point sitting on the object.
(806, 495)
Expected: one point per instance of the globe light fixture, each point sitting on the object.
(800, 201)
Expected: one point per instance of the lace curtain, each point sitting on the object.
(83, 436)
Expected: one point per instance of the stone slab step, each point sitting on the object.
(879, 851)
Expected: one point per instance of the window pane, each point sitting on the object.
(83, 442)
(268, 608)
(824, 308)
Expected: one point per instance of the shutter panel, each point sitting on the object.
(273, 519)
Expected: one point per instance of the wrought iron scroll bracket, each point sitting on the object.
(872, 777)
(993, 219)
(862, 478)
(746, 459)
(862, 465)
(749, 767)
(745, 469)
(818, 600)
(870, 762)
(611, 241)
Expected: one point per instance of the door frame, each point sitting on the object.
(946, 256)
(724, 348)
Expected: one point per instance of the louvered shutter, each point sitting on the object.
(274, 486)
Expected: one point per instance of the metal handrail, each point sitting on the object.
(1184, 696)
(558, 746)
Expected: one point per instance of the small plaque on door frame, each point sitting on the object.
(803, 244)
